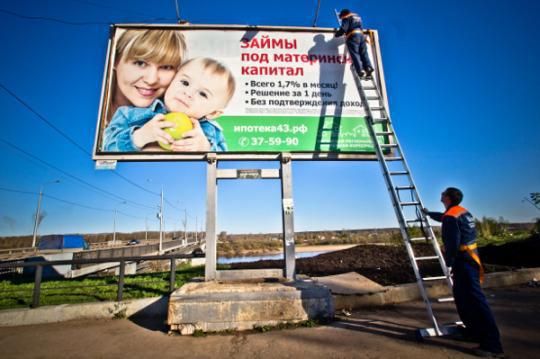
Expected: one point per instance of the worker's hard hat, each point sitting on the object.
(344, 12)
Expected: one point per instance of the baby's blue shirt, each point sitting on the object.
(118, 135)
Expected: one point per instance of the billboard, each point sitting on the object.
(179, 92)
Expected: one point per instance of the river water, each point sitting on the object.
(225, 260)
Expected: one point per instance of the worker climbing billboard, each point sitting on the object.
(179, 92)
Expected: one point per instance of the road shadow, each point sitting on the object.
(153, 317)
(396, 330)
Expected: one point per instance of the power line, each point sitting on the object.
(128, 215)
(42, 118)
(73, 23)
(17, 191)
(76, 204)
(102, 191)
(103, 6)
(61, 21)
(172, 205)
(67, 137)
(68, 202)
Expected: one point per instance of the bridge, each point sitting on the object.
(74, 271)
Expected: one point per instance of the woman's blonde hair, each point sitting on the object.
(166, 47)
(157, 46)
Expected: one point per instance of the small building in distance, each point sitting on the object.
(59, 241)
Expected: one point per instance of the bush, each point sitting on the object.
(536, 228)
(490, 227)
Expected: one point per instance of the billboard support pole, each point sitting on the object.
(211, 225)
(284, 174)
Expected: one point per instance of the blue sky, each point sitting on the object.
(463, 85)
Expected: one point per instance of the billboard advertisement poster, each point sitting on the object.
(182, 91)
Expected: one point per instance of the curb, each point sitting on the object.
(146, 307)
(409, 292)
(156, 307)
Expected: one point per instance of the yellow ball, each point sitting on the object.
(183, 124)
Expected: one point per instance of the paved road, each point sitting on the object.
(378, 333)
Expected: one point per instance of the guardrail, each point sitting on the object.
(38, 275)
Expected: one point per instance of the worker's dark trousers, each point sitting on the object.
(358, 51)
(472, 306)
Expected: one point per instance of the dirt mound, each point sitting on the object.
(383, 264)
(389, 264)
(519, 254)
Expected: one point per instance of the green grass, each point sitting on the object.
(17, 292)
(502, 239)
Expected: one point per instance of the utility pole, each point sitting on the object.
(185, 225)
(161, 223)
(196, 228)
(34, 237)
(146, 228)
(36, 220)
(114, 227)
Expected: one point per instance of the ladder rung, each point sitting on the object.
(409, 203)
(428, 279)
(398, 173)
(414, 220)
(387, 133)
(419, 239)
(394, 158)
(380, 120)
(369, 88)
(372, 98)
(445, 300)
(388, 145)
(426, 258)
(378, 108)
(401, 188)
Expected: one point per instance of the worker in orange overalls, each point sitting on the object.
(463, 262)
(351, 27)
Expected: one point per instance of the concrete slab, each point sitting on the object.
(375, 333)
(391, 295)
(350, 283)
(217, 306)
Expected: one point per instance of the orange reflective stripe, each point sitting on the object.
(352, 32)
(470, 250)
(348, 15)
(455, 211)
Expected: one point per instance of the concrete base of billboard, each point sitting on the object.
(216, 306)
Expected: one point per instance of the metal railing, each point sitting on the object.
(38, 275)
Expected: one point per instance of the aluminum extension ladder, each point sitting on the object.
(399, 181)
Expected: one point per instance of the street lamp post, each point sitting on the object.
(36, 220)
(114, 227)
(146, 229)
(196, 229)
(185, 225)
(114, 222)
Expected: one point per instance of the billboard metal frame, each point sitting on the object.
(224, 156)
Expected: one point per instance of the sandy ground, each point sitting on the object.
(378, 333)
(326, 248)
(300, 249)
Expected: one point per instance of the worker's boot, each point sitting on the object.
(361, 74)
(487, 354)
(369, 72)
